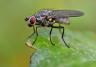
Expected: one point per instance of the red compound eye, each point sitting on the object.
(32, 19)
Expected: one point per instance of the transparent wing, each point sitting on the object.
(65, 13)
(44, 12)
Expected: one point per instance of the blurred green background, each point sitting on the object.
(13, 28)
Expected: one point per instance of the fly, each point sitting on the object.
(47, 18)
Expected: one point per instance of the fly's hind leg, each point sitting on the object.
(63, 38)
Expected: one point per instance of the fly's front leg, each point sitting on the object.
(36, 37)
(34, 31)
(29, 43)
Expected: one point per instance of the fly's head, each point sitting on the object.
(30, 20)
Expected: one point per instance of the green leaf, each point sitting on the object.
(82, 51)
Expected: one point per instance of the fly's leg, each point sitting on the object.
(63, 38)
(36, 37)
(34, 31)
(29, 43)
(50, 36)
(61, 27)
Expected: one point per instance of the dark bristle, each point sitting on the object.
(26, 19)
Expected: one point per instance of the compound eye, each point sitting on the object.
(32, 19)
